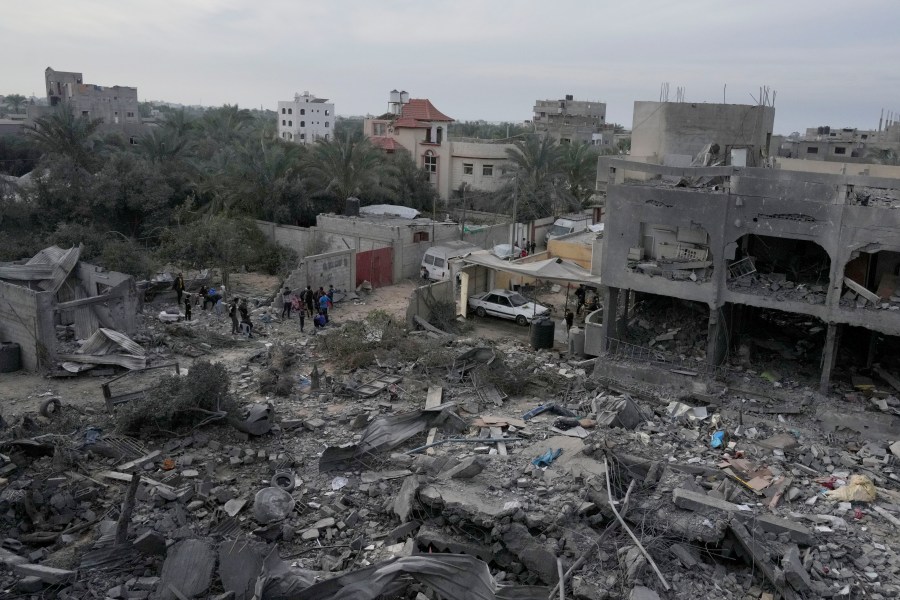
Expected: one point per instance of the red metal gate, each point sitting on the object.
(376, 266)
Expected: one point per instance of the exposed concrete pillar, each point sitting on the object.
(717, 341)
(626, 296)
(610, 311)
(829, 355)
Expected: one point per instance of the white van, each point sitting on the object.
(436, 259)
(567, 225)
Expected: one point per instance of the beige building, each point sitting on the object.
(569, 120)
(116, 106)
(416, 126)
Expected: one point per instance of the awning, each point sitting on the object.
(551, 269)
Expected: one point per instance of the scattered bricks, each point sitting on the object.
(46, 574)
(468, 468)
(150, 543)
(701, 503)
(794, 572)
(773, 524)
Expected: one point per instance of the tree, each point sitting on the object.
(883, 156)
(130, 195)
(411, 185)
(579, 167)
(15, 102)
(212, 241)
(350, 166)
(62, 133)
(538, 182)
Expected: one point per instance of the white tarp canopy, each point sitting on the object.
(551, 269)
(389, 210)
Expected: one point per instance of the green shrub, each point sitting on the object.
(181, 402)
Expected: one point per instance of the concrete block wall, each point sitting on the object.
(321, 270)
(22, 323)
(423, 298)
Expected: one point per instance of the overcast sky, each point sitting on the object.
(831, 62)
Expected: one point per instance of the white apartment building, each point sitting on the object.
(305, 119)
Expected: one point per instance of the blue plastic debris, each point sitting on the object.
(547, 457)
(717, 439)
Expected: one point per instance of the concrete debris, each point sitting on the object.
(403, 467)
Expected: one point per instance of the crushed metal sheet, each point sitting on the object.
(381, 434)
(451, 576)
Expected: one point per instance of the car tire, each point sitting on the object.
(480, 311)
(521, 320)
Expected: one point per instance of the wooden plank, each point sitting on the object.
(432, 433)
(26, 272)
(873, 298)
(138, 462)
(435, 394)
(82, 302)
(496, 432)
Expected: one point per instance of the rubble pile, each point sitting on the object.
(455, 468)
(777, 286)
(676, 328)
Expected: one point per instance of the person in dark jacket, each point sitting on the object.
(187, 307)
(233, 313)
(178, 286)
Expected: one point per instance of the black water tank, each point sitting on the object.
(542, 332)
(10, 357)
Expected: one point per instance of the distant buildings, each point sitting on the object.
(115, 106)
(570, 120)
(416, 126)
(305, 119)
(841, 144)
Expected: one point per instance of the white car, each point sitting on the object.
(507, 305)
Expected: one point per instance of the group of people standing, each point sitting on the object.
(238, 310)
(308, 303)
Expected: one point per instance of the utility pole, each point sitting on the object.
(462, 226)
(512, 227)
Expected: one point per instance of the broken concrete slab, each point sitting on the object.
(773, 524)
(471, 501)
(188, 567)
(403, 502)
(702, 503)
(468, 468)
(572, 460)
(533, 554)
(46, 574)
(794, 571)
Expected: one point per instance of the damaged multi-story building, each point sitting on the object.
(786, 269)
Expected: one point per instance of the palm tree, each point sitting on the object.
(15, 102)
(64, 134)
(163, 144)
(349, 166)
(540, 186)
(884, 156)
(579, 167)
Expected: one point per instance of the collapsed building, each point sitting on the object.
(762, 253)
(54, 297)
